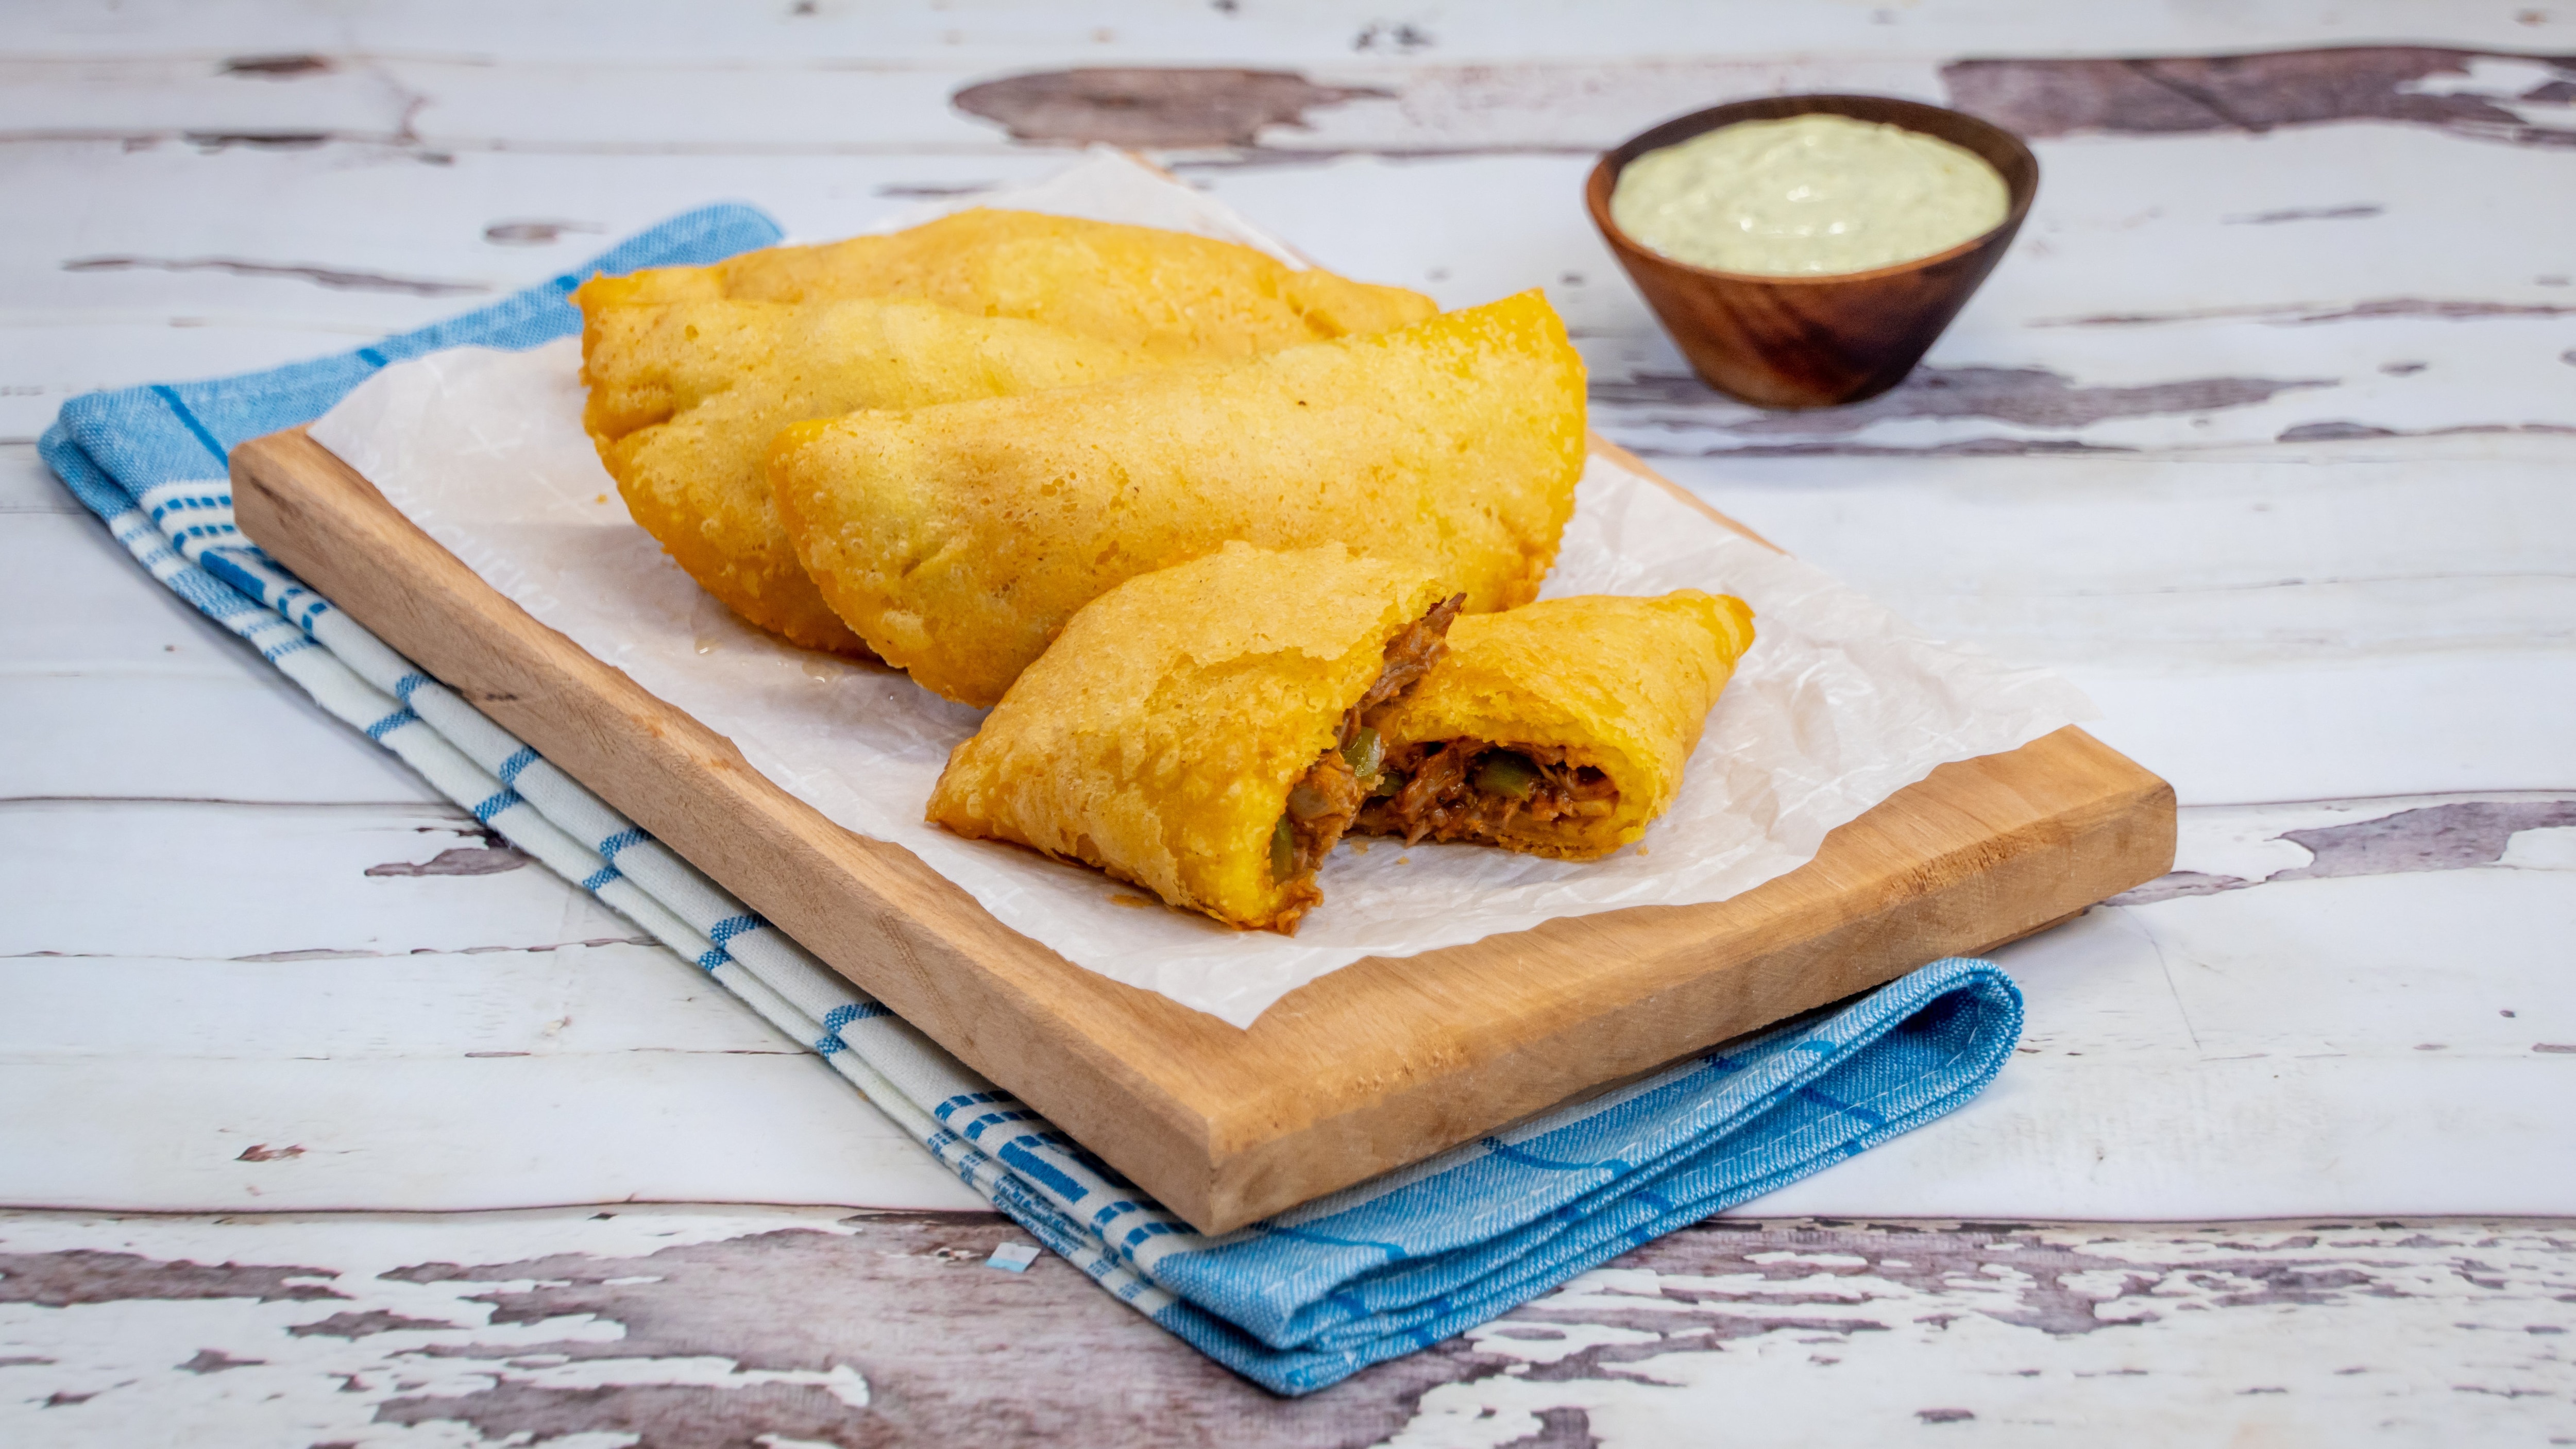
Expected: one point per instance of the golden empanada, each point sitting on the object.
(1163, 292)
(1559, 728)
(685, 398)
(957, 539)
(1186, 732)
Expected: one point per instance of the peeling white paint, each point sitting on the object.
(2549, 849)
(1771, 1333)
(2192, 1340)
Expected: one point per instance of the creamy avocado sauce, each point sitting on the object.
(1807, 195)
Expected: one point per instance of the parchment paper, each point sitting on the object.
(1838, 706)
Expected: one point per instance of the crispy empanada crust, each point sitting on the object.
(1620, 684)
(1159, 737)
(956, 540)
(1164, 292)
(685, 398)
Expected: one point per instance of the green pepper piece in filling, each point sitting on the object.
(1283, 851)
(1505, 773)
(1364, 753)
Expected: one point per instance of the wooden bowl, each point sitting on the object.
(1814, 341)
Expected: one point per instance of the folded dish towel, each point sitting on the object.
(1294, 1303)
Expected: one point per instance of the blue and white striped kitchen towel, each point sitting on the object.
(1295, 1303)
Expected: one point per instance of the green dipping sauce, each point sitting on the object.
(1809, 195)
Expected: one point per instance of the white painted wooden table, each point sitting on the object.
(2263, 433)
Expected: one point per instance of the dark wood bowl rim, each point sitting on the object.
(1605, 177)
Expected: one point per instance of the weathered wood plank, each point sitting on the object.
(2257, 630)
(117, 688)
(352, 880)
(2410, 722)
(391, 1022)
(2294, 223)
(2239, 847)
(602, 999)
(692, 1327)
(2398, 547)
(2218, 611)
(2321, 1044)
(445, 1131)
(2225, 1046)
(102, 612)
(672, 31)
(1407, 99)
(28, 486)
(2141, 311)
(95, 733)
(387, 881)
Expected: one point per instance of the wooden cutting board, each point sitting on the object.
(1377, 1065)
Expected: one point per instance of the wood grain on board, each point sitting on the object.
(1375, 1066)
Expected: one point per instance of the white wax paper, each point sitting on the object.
(1838, 706)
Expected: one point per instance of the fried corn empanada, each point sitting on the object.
(956, 540)
(684, 400)
(1558, 729)
(1164, 292)
(1186, 732)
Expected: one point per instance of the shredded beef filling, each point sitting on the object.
(1328, 798)
(1409, 656)
(1320, 809)
(1472, 790)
